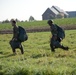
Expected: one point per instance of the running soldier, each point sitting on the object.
(58, 35)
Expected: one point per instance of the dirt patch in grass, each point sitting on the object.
(40, 29)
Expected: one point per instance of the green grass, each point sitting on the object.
(38, 58)
(66, 21)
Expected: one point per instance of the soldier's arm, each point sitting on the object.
(55, 29)
(55, 32)
(15, 33)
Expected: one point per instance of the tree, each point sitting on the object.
(6, 21)
(17, 20)
(31, 18)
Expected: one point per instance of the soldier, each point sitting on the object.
(15, 43)
(58, 35)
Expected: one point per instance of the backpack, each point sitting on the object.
(22, 34)
(61, 32)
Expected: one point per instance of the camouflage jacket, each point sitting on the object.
(15, 32)
(57, 31)
(53, 29)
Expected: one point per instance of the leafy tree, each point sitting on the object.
(17, 20)
(31, 18)
(6, 21)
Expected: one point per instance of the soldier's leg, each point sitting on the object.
(51, 45)
(12, 46)
(21, 48)
(58, 45)
(52, 48)
(14, 50)
(64, 48)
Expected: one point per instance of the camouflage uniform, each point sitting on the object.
(54, 40)
(57, 36)
(15, 43)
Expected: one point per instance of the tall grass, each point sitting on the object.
(38, 58)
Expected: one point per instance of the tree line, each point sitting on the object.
(31, 18)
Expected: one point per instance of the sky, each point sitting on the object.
(23, 9)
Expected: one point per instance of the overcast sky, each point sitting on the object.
(23, 9)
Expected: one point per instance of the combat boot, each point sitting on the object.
(52, 48)
(65, 48)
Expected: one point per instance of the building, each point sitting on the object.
(53, 13)
(49, 14)
(71, 13)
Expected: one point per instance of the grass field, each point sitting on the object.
(66, 21)
(38, 58)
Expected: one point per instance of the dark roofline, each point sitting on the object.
(60, 10)
(45, 11)
(56, 8)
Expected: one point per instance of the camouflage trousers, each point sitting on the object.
(55, 43)
(15, 44)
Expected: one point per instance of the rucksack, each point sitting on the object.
(61, 32)
(22, 34)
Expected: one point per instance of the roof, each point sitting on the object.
(54, 11)
(46, 11)
(59, 10)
